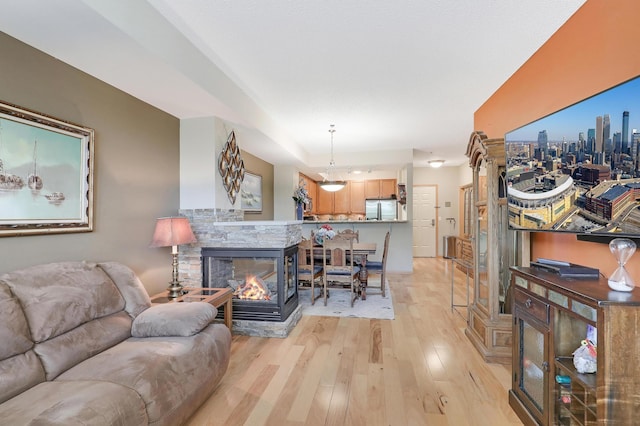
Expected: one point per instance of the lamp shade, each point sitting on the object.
(332, 185)
(172, 231)
(436, 163)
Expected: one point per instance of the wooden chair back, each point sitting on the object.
(380, 268)
(338, 265)
(308, 270)
(349, 234)
(306, 262)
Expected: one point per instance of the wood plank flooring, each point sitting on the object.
(418, 369)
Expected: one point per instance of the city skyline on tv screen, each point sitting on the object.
(578, 170)
(570, 121)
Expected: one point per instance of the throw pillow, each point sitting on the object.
(173, 319)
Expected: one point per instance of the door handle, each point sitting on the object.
(433, 222)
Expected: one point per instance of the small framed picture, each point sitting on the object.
(251, 193)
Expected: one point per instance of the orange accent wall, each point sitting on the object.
(593, 51)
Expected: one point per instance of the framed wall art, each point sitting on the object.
(46, 174)
(251, 193)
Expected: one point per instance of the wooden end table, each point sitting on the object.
(215, 296)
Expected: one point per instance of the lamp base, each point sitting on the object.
(175, 290)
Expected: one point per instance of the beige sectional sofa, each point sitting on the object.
(80, 344)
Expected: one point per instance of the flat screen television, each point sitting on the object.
(578, 170)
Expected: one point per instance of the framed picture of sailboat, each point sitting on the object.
(46, 174)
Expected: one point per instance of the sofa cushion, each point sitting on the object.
(58, 297)
(14, 332)
(83, 403)
(135, 296)
(167, 372)
(19, 373)
(69, 297)
(64, 351)
(173, 319)
(20, 368)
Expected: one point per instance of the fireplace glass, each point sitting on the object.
(264, 280)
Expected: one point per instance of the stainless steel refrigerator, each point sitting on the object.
(386, 209)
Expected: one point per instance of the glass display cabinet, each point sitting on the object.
(464, 250)
(554, 316)
(489, 325)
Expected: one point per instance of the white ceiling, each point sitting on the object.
(400, 79)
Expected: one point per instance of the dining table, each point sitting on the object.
(361, 251)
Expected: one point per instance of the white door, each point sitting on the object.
(424, 221)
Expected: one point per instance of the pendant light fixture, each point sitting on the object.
(329, 184)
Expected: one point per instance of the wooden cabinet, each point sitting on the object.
(388, 188)
(313, 193)
(349, 200)
(312, 189)
(325, 202)
(489, 322)
(372, 188)
(380, 188)
(552, 316)
(464, 248)
(357, 204)
(342, 200)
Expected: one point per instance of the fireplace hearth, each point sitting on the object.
(264, 280)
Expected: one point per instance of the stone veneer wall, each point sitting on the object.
(226, 228)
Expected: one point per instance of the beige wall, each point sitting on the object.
(448, 187)
(136, 165)
(259, 167)
(594, 50)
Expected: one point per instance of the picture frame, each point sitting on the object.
(251, 193)
(46, 174)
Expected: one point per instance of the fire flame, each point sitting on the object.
(253, 289)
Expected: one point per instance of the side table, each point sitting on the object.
(215, 296)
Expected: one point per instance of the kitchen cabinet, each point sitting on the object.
(342, 200)
(338, 202)
(325, 202)
(312, 187)
(489, 323)
(372, 188)
(380, 188)
(357, 197)
(349, 200)
(388, 188)
(312, 190)
(552, 316)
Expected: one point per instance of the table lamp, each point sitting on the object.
(171, 232)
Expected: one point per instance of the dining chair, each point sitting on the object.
(349, 233)
(339, 267)
(379, 268)
(308, 270)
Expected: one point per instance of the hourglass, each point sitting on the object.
(622, 249)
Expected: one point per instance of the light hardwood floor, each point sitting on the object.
(418, 369)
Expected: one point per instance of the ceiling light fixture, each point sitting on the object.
(436, 163)
(329, 184)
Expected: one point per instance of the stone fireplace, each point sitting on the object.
(267, 247)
